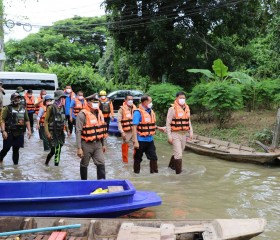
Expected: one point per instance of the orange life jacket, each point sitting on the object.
(127, 116)
(79, 106)
(29, 103)
(147, 126)
(42, 119)
(38, 99)
(180, 122)
(95, 128)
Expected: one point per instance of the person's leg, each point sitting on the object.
(31, 120)
(125, 146)
(87, 151)
(7, 143)
(74, 124)
(138, 154)
(70, 124)
(152, 156)
(107, 121)
(99, 160)
(50, 156)
(57, 154)
(15, 155)
(177, 151)
(46, 143)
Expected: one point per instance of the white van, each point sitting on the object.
(34, 81)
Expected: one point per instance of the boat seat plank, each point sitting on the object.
(131, 232)
(209, 145)
(189, 229)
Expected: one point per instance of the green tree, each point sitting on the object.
(163, 96)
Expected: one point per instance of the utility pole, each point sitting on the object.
(276, 133)
(2, 53)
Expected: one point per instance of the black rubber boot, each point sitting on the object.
(153, 166)
(48, 159)
(178, 166)
(83, 173)
(172, 163)
(136, 167)
(101, 172)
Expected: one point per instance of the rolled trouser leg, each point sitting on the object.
(172, 163)
(83, 172)
(178, 166)
(125, 147)
(101, 172)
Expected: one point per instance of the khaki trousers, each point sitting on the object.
(92, 150)
(128, 136)
(179, 143)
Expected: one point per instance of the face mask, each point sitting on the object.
(129, 102)
(43, 96)
(103, 97)
(150, 105)
(80, 97)
(68, 90)
(21, 93)
(30, 96)
(182, 101)
(48, 103)
(95, 105)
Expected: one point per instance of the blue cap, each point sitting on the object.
(48, 97)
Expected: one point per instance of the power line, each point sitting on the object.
(135, 20)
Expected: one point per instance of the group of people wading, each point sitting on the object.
(90, 117)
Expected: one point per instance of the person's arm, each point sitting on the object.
(111, 110)
(169, 117)
(40, 113)
(135, 121)
(3, 91)
(72, 105)
(46, 123)
(27, 123)
(3, 124)
(80, 121)
(120, 113)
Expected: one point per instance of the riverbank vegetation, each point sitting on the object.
(224, 54)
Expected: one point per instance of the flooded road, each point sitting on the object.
(207, 188)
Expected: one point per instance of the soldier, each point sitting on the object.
(14, 123)
(106, 107)
(178, 124)
(55, 123)
(90, 136)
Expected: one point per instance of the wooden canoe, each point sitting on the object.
(229, 151)
(129, 229)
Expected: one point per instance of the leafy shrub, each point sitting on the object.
(222, 99)
(265, 136)
(195, 102)
(163, 96)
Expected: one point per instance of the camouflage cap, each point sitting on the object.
(59, 94)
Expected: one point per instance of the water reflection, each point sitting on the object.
(207, 188)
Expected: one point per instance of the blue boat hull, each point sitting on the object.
(42, 199)
(113, 128)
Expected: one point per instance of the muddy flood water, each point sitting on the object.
(208, 188)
